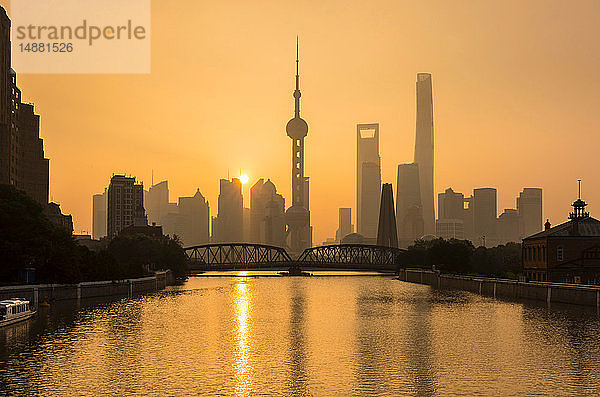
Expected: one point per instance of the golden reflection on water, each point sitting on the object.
(242, 301)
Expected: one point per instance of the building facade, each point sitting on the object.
(368, 179)
(568, 253)
(345, 226)
(125, 200)
(267, 214)
(99, 215)
(229, 222)
(409, 209)
(424, 149)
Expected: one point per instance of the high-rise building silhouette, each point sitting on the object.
(193, 214)
(229, 223)
(345, 226)
(156, 202)
(387, 234)
(451, 215)
(529, 206)
(508, 226)
(368, 179)
(484, 216)
(409, 210)
(424, 152)
(297, 216)
(22, 162)
(267, 216)
(99, 215)
(125, 202)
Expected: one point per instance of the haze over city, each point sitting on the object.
(514, 104)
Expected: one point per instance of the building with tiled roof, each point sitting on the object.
(568, 253)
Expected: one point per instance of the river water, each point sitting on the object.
(322, 336)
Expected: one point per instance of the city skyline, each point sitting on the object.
(474, 102)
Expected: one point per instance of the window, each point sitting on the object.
(559, 254)
(538, 253)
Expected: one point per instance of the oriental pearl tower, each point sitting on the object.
(297, 217)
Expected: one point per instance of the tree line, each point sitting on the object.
(462, 257)
(28, 239)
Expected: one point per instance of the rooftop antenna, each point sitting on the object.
(579, 183)
(152, 180)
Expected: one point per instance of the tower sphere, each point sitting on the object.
(296, 128)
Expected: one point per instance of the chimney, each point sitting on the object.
(547, 224)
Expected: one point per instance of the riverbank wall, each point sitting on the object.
(37, 293)
(575, 294)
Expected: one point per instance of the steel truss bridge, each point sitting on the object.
(247, 256)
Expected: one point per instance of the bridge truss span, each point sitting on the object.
(353, 256)
(236, 256)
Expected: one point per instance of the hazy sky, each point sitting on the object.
(516, 100)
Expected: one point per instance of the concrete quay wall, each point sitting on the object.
(575, 294)
(37, 293)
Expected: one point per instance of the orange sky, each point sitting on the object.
(516, 99)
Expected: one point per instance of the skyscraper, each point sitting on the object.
(125, 202)
(297, 217)
(409, 211)
(368, 179)
(529, 205)
(345, 226)
(228, 225)
(267, 219)
(156, 202)
(193, 215)
(99, 215)
(387, 234)
(22, 162)
(424, 149)
(485, 216)
(451, 205)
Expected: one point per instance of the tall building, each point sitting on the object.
(368, 179)
(267, 214)
(156, 202)
(409, 210)
(345, 226)
(22, 162)
(450, 229)
(529, 206)
(193, 216)
(451, 205)
(484, 216)
(229, 223)
(509, 226)
(297, 217)
(424, 149)
(125, 202)
(387, 235)
(99, 215)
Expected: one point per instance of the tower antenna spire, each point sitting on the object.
(579, 188)
(297, 65)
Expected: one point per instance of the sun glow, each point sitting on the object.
(244, 179)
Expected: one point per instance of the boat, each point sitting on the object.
(14, 310)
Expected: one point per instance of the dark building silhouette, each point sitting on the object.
(409, 211)
(156, 202)
(345, 226)
(125, 201)
(267, 214)
(99, 215)
(387, 234)
(368, 179)
(509, 225)
(297, 217)
(568, 253)
(229, 222)
(484, 216)
(424, 153)
(22, 162)
(451, 215)
(53, 212)
(193, 218)
(529, 207)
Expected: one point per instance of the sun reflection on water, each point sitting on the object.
(243, 368)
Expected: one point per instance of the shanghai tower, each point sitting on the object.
(424, 149)
(297, 217)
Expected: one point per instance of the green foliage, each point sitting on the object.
(460, 256)
(29, 239)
